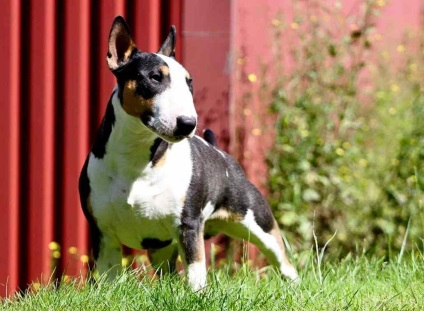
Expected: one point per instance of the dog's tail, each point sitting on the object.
(209, 136)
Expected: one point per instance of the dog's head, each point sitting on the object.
(154, 88)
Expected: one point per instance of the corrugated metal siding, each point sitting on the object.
(10, 46)
(55, 89)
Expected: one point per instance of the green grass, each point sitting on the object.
(353, 284)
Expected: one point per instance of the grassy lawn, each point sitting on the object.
(353, 284)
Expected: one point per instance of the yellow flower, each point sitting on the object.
(84, 259)
(256, 131)
(36, 286)
(377, 37)
(413, 67)
(347, 178)
(346, 145)
(252, 77)
(380, 94)
(56, 254)
(363, 162)
(125, 261)
(53, 246)
(73, 250)
(392, 111)
(304, 133)
(294, 25)
(276, 22)
(144, 259)
(411, 179)
(400, 48)
(381, 3)
(340, 151)
(395, 88)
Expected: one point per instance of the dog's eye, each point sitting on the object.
(156, 77)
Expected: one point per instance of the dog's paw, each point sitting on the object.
(197, 276)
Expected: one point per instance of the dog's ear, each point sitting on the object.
(168, 47)
(121, 45)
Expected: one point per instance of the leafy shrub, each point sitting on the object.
(348, 154)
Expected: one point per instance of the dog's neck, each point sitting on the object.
(130, 141)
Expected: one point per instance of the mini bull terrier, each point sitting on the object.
(150, 183)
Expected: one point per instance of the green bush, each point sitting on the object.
(348, 155)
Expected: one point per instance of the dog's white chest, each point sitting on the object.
(133, 204)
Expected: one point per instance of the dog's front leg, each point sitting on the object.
(193, 252)
(164, 259)
(109, 259)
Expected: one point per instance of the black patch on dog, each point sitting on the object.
(157, 150)
(102, 137)
(189, 82)
(84, 192)
(154, 243)
(210, 183)
(145, 69)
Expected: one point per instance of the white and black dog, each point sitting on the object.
(150, 183)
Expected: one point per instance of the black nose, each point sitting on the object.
(185, 125)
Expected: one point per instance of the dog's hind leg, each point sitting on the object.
(247, 228)
(271, 245)
(164, 259)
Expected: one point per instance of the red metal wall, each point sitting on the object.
(55, 86)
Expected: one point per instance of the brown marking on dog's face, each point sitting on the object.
(165, 70)
(134, 104)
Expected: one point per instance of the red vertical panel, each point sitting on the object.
(175, 18)
(206, 28)
(108, 10)
(146, 27)
(76, 115)
(41, 145)
(9, 154)
(206, 32)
